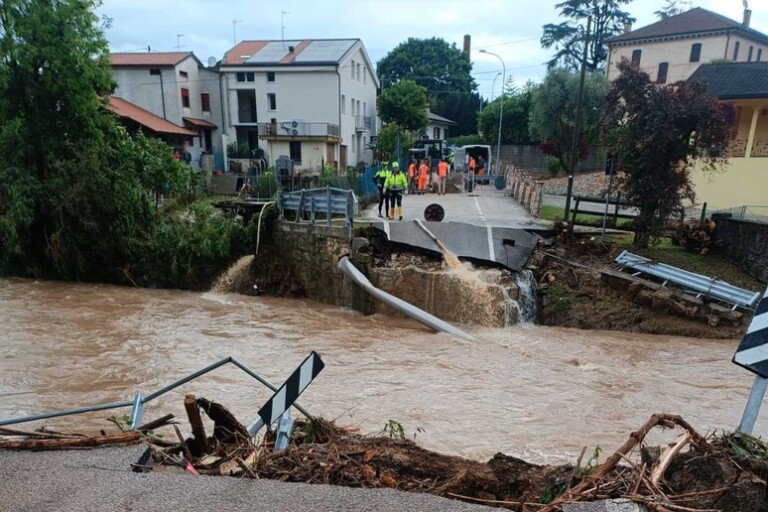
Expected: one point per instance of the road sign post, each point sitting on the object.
(752, 354)
(288, 392)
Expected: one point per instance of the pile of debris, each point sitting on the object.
(697, 236)
(726, 473)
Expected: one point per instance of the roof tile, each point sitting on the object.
(735, 80)
(146, 118)
(148, 59)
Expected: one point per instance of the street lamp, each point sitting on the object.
(493, 85)
(501, 110)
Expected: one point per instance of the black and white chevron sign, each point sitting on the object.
(291, 389)
(752, 353)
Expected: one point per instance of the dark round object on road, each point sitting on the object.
(500, 183)
(434, 212)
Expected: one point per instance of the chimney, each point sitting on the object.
(747, 18)
(290, 49)
(627, 28)
(467, 44)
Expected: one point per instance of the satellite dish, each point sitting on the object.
(211, 61)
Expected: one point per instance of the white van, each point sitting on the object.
(461, 163)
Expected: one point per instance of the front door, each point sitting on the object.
(343, 157)
(330, 155)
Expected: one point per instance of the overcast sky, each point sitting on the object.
(510, 28)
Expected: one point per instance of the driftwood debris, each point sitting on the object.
(698, 236)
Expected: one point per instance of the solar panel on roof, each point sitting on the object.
(272, 52)
(324, 51)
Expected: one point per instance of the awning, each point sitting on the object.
(199, 123)
(128, 110)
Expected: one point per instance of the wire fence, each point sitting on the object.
(752, 213)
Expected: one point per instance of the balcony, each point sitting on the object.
(363, 123)
(294, 130)
(760, 148)
(738, 148)
(246, 107)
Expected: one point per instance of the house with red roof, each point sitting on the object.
(313, 100)
(174, 96)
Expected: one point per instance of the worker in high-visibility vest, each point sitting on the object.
(412, 176)
(423, 177)
(396, 184)
(380, 179)
(472, 165)
(442, 176)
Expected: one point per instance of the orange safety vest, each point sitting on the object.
(442, 169)
(471, 164)
(412, 170)
(423, 171)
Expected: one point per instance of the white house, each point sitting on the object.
(671, 50)
(176, 87)
(437, 126)
(313, 100)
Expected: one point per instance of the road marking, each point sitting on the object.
(491, 252)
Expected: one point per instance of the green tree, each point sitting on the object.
(404, 103)
(553, 113)
(385, 149)
(656, 131)
(671, 8)
(568, 37)
(443, 70)
(517, 107)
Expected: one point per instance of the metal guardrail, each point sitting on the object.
(139, 400)
(703, 285)
(326, 201)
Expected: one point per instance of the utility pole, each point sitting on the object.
(178, 41)
(234, 30)
(577, 124)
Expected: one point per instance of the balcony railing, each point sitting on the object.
(760, 148)
(298, 129)
(363, 123)
(738, 148)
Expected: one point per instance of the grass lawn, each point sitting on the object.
(555, 212)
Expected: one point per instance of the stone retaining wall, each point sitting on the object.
(587, 184)
(310, 255)
(746, 243)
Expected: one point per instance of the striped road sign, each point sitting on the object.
(291, 389)
(752, 353)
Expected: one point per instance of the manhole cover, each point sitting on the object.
(434, 212)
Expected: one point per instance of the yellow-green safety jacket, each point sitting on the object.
(396, 181)
(380, 178)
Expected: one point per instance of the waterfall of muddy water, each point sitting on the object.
(526, 298)
(235, 277)
(485, 296)
(449, 257)
(537, 393)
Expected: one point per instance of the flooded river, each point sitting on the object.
(536, 393)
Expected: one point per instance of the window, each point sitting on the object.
(241, 77)
(636, 57)
(436, 133)
(359, 112)
(365, 75)
(154, 71)
(352, 104)
(365, 108)
(191, 142)
(759, 54)
(736, 50)
(249, 77)
(245, 77)
(205, 101)
(358, 72)
(295, 150)
(272, 101)
(185, 97)
(353, 70)
(343, 104)
(661, 78)
(749, 55)
(183, 74)
(353, 143)
(270, 76)
(695, 52)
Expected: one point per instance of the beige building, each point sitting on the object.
(673, 49)
(744, 181)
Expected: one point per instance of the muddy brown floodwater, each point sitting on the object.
(536, 393)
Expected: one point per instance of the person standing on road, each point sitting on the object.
(412, 176)
(442, 176)
(423, 177)
(380, 179)
(472, 165)
(396, 184)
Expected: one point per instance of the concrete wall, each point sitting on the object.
(746, 243)
(743, 181)
(530, 158)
